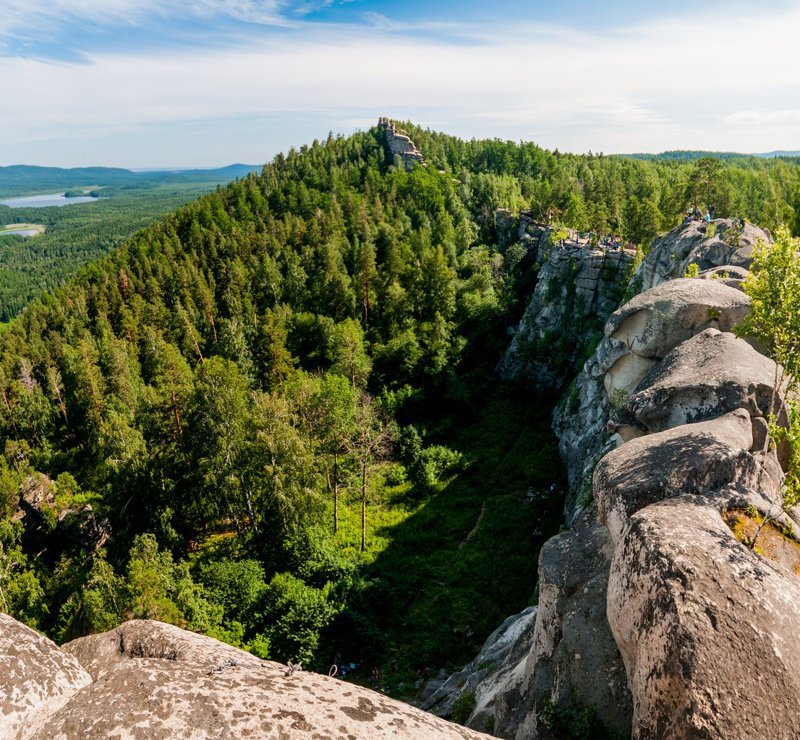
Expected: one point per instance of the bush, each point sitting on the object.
(463, 706)
(293, 615)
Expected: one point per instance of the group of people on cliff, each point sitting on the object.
(697, 214)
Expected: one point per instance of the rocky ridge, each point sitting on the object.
(154, 680)
(652, 611)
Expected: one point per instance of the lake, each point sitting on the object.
(42, 201)
(20, 232)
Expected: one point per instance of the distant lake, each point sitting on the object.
(42, 201)
(20, 232)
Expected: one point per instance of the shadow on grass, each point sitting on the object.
(466, 558)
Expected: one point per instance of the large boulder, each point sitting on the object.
(707, 627)
(671, 254)
(694, 458)
(654, 323)
(36, 678)
(154, 680)
(702, 378)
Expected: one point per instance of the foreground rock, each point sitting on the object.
(148, 679)
(36, 678)
(707, 627)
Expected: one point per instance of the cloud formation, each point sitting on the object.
(661, 85)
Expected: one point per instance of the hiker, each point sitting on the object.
(742, 223)
(713, 211)
(687, 219)
(708, 217)
(697, 214)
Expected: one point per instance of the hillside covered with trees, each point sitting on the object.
(272, 416)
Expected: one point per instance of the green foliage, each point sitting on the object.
(463, 706)
(21, 593)
(692, 271)
(295, 614)
(774, 319)
(574, 721)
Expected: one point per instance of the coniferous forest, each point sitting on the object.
(272, 416)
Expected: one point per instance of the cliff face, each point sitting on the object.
(651, 609)
(578, 287)
(148, 679)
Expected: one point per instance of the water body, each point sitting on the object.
(43, 201)
(19, 232)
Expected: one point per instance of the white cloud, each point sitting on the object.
(660, 86)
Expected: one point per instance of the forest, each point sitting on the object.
(272, 417)
(76, 235)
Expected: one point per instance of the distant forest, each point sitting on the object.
(272, 417)
(77, 234)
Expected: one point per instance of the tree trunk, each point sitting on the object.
(364, 506)
(336, 493)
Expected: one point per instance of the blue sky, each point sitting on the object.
(146, 83)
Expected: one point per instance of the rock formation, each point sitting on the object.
(399, 144)
(148, 679)
(578, 287)
(664, 433)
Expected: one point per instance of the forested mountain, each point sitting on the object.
(204, 423)
(24, 179)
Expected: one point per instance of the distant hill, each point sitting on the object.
(29, 179)
(681, 155)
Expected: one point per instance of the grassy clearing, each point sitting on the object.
(447, 570)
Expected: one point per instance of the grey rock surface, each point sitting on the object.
(670, 255)
(577, 289)
(656, 321)
(707, 627)
(694, 458)
(702, 378)
(573, 656)
(491, 675)
(36, 678)
(154, 680)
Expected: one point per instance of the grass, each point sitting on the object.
(445, 571)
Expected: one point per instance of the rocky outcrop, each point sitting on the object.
(577, 289)
(728, 248)
(399, 144)
(573, 652)
(707, 627)
(148, 679)
(665, 437)
(495, 671)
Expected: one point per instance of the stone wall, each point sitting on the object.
(578, 287)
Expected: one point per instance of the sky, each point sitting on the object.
(205, 83)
